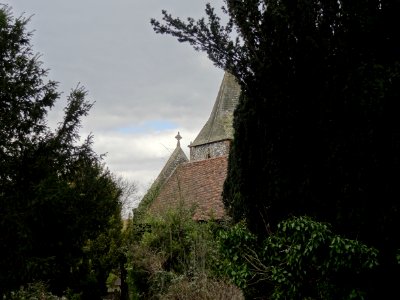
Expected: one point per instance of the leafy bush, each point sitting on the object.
(303, 259)
(33, 291)
(202, 288)
(170, 247)
(233, 245)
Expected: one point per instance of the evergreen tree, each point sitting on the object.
(316, 129)
(55, 194)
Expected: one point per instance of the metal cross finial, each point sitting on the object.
(178, 137)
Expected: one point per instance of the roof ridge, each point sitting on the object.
(177, 157)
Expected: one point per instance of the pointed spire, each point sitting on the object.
(178, 137)
(219, 125)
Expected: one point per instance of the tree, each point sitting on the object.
(316, 129)
(55, 193)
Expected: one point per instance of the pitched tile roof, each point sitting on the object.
(177, 157)
(197, 184)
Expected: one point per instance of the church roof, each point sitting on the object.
(219, 125)
(177, 157)
(197, 184)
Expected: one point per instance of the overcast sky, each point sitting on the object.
(146, 86)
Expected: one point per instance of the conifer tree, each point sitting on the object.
(316, 128)
(55, 193)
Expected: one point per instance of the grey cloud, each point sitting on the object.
(134, 75)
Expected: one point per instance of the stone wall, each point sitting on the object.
(211, 150)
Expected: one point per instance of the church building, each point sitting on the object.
(198, 182)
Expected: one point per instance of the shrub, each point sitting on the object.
(303, 259)
(33, 291)
(202, 288)
(169, 247)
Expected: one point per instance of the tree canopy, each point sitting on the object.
(316, 128)
(55, 193)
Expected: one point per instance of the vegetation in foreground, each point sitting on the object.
(59, 205)
(316, 127)
(174, 257)
(320, 83)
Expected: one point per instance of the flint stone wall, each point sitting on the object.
(210, 150)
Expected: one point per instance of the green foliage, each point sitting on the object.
(398, 256)
(316, 128)
(202, 288)
(303, 259)
(25, 96)
(140, 213)
(174, 253)
(100, 257)
(233, 244)
(56, 196)
(33, 291)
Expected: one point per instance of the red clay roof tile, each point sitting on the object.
(198, 184)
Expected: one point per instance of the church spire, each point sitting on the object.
(219, 125)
